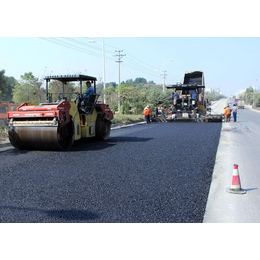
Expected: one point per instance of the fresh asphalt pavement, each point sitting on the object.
(239, 144)
(156, 173)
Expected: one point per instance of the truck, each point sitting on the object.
(5, 107)
(191, 104)
(241, 104)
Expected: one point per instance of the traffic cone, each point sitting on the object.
(235, 186)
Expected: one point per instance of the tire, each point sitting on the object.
(103, 127)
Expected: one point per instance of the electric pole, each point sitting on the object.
(119, 56)
(164, 75)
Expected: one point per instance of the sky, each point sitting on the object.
(229, 63)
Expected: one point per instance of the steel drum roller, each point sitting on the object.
(42, 137)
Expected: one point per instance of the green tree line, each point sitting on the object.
(250, 97)
(213, 97)
(6, 86)
(133, 95)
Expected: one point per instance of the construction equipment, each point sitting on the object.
(5, 107)
(191, 104)
(55, 125)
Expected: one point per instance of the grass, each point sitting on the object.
(119, 118)
(3, 133)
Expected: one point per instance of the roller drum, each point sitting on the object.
(42, 137)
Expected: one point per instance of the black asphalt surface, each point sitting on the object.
(159, 172)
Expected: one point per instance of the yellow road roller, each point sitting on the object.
(55, 125)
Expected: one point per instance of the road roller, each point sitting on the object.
(56, 124)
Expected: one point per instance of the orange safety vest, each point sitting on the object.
(227, 111)
(147, 112)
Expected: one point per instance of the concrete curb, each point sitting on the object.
(126, 125)
(5, 147)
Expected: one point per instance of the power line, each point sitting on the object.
(59, 42)
(132, 63)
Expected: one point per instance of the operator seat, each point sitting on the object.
(90, 103)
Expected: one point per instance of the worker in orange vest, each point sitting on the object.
(227, 113)
(147, 112)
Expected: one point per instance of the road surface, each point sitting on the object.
(156, 173)
(239, 144)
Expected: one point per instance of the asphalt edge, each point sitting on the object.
(7, 146)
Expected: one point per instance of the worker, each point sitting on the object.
(156, 112)
(175, 98)
(227, 113)
(90, 91)
(235, 112)
(194, 96)
(147, 112)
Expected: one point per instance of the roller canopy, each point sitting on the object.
(68, 78)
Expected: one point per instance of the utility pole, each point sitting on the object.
(119, 56)
(164, 75)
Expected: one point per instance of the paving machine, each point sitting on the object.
(55, 125)
(191, 104)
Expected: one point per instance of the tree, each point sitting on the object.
(111, 97)
(56, 88)
(28, 89)
(213, 97)
(6, 86)
(140, 80)
(2, 84)
(111, 84)
(249, 95)
(257, 99)
(10, 83)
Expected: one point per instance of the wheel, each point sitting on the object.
(103, 127)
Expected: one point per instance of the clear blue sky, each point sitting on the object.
(229, 63)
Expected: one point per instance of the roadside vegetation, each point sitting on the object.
(213, 97)
(251, 97)
(133, 95)
(119, 118)
(3, 134)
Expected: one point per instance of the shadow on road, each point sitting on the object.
(93, 144)
(72, 214)
(250, 189)
(62, 214)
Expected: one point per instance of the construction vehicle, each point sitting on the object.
(191, 104)
(55, 125)
(5, 107)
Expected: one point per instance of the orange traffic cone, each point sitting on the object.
(235, 186)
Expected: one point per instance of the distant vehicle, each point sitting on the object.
(241, 104)
(5, 107)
